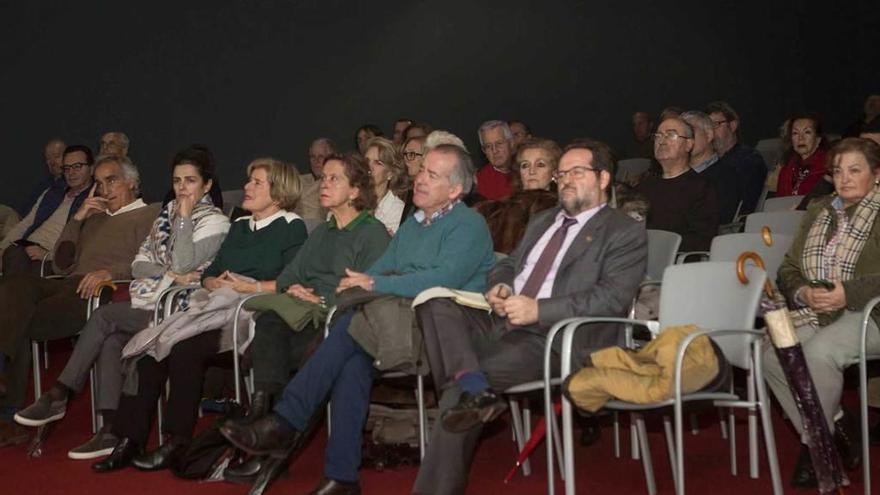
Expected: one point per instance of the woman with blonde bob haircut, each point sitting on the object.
(390, 181)
(285, 186)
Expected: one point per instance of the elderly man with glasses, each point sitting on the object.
(494, 179)
(751, 171)
(680, 200)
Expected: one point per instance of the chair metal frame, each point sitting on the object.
(864, 357)
(676, 447)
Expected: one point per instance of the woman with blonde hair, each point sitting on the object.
(391, 182)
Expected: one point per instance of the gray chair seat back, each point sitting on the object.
(729, 247)
(784, 203)
(630, 168)
(711, 296)
(780, 222)
(231, 199)
(662, 248)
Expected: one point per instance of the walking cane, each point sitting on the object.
(826, 462)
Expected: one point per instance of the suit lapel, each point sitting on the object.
(585, 238)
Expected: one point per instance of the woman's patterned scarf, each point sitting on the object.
(159, 245)
(835, 259)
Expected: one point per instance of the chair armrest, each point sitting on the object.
(166, 299)
(684, 255)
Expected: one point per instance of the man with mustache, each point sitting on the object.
(581, 258)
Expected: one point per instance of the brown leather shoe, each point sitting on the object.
(333, 487)
(12, 434)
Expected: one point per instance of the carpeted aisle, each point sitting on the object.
(706, 464)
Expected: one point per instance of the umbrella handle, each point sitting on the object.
(767, 236)
(756, 258)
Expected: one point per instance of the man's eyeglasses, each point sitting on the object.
(74, 166)
(411, 155)
(668, 136)
(718, 123)
(574, 173)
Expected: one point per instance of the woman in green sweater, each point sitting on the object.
(251, 257)
(350, 239)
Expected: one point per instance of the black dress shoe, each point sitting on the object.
(260, 404)
(590, 430)
(162, 457)
(245, 472)
(124, 452)
(333, 487)
(472, 410)
(804, 475)
(848, 440)
(270, 435)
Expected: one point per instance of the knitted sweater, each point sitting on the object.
(322, 260)
(103, 242)
(261, 253)
(454, 251)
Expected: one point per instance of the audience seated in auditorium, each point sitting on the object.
(35, 235)
(641, 145)
(417, 129)
(351, 240)
(180, 349)
(444, 244)
(870, 115)
(581, 258)
(114, 143)
(680, 200)
(494, 178)
(181, 243)
(399, 128)
(520, 131)
(838, 246)
(309, 204)
(363, 136)
(390, 182)
(804, 159)
(535, 164)
(97, 245)
(704, 161)
(53, 153)
(750, 167)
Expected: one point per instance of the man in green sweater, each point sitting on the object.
(97, 245)
(444, 243)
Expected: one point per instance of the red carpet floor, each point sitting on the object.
(706, 465)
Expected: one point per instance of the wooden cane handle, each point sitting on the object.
(112, 286)
(767, 236)
(741, 270)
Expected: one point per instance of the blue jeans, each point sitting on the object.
(341, 369)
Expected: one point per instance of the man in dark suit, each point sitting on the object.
(582, 258)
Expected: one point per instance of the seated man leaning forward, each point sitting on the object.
(97, 245)
(581, 258)
(444, 243)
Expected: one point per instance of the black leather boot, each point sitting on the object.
(122, 455)
(162, 457)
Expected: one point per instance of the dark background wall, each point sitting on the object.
(263, 78)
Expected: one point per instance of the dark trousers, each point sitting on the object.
(185, 369)
(341, 370)
(277, 351)
(458, 338)
(33, 308)
(17, 262)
